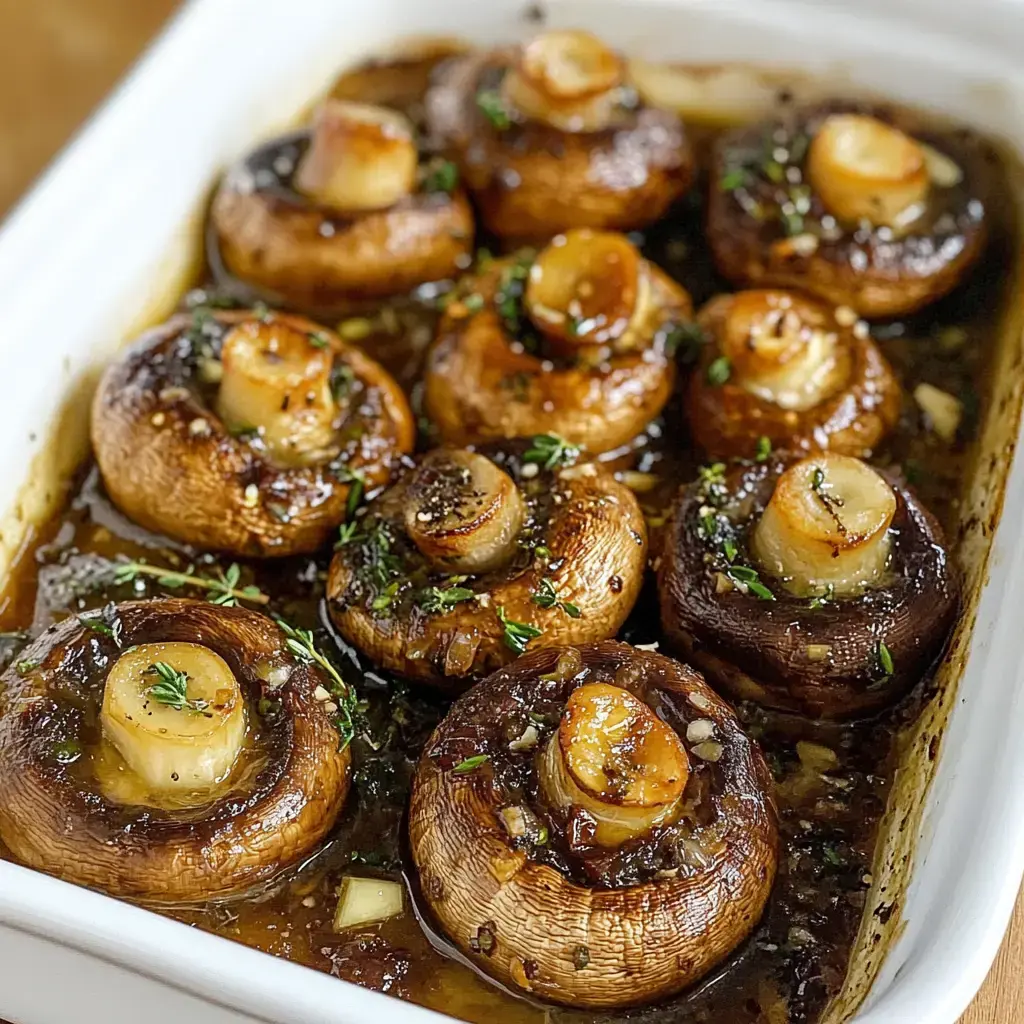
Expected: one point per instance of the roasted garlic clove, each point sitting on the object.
(780, 349)
(360, 157)
(864, 169)
(587, 288)
(463, 512)
(614, 758)
(176, 715)
(826, 527)
(568, 79)
(277, 381)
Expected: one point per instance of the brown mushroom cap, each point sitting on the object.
(487, 375)
(563, 920)
(288, 250)
(861, 406)
(575, 572)
(820, 657)
(170, 463)
(530, 180)
(768, 227)
(281, 799)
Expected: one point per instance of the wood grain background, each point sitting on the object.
(59, 59)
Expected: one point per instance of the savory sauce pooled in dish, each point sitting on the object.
(503, 582)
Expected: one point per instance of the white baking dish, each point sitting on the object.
(103, 244)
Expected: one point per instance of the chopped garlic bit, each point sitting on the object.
(638, 482)
(816, 757)
(531, 469)
(527, 741)
(817, 652)
(942, 171)
(251, 496)
(943, 410)
(699, 730)
(363, 901)
(709, 751)
(647, 647)
(845, 316)
(321, 694)
(698, 700)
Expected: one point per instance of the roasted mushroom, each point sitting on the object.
(472, 556)
(575, 340)
(860, 206)
(249, 432)
(591, 825)
(549, 136)
(346, 213)
(791, 370)
(168, 751)
(820, 585)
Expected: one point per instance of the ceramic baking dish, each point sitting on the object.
(105, 243)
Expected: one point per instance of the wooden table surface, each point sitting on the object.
(61, 57)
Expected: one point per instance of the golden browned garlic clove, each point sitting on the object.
(585, 288)
(277, 381)
(864, 169)
(568, 79)
(175, 714)
(463, 512)
(612, 757)
(360, 157)
(826, 527)
(780, 349)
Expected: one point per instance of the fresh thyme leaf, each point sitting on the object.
(171, 688)
(347, 533)
(473, 302)
(684, 341)
(107, 623)
(261, 312)
(547, 597)
(793, 222)
(356, 491)
(719, 371)
(319, 340)
(342, 378)
(832, 856)
(442, 176)
(885, 661)
(471, 764)
(517, 634)
(748, 578)
(24, 667)
(222, 589)
(385, 598)
(301, 644)
(763, 450)
(493, 108)
(435, 600)
(729, 549)
(733, 178)
(774, 172)
(550, 451)
(820, 600)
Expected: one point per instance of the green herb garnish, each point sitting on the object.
(24, 667)
(763, 449)
(885, 662)
(684, 341)
(493, 108)
(443, 176)
(171, 688)
(820, 600)
(300, 643)
(547, 597)
(347, 533)
(748, 578)
(517, 634)
(319, 340)
(223, 588)
(471, 764)
(719, 371)
(733, 178)
(385, 598)
(550, 451)
(437, 600)
(106, 624)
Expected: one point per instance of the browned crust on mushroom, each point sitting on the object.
(727, 421)
(642, 940)
(867, 269)
(296, 253)
(53, 817)
(760, 650)
(531, 181)
(481, 383)
(589, 522)
(195, 484)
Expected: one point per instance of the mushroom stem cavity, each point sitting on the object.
(826, 527)
(463, 512)
(781, 349)
(361, 157)
(864, 169)
(175, 714)
(277, 380)
(567, 79)
(587, 288)
(612, 757)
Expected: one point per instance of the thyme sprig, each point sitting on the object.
(437, 600)
(171, 688)
(471, 764)
(547, 597)
(300, 643)
(107, 623)
(517, 634)
(549, 451)
(223, 589)
(492, 106)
